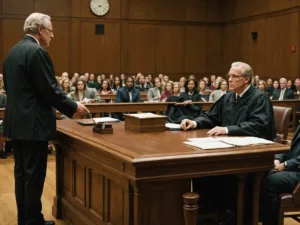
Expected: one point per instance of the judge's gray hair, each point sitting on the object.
(35, 19)
(246, 69)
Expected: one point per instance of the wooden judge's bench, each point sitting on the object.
(129, 178)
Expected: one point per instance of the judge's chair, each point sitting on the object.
(289, 202)
(282, 120)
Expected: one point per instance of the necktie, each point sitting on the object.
(237, 98)
(281, 95)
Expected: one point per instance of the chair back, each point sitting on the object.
(282, 120)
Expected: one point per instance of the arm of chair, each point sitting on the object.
(296, 194)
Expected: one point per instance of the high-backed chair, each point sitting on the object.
(282, 120)
(289, 202)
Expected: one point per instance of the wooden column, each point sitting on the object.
(256, 192)
(190, 207)
(240, 198)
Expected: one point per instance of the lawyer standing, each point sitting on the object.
(29, 119)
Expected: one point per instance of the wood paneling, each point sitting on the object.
(100, 53)
(195, 49)
(53, 7)
(170, 10)
(213, 50)
(17, 7)
(170, 49)
(142, 45)
(60, 46)
(1, 45)
(13, 28)
(196, 10)
(142, 9)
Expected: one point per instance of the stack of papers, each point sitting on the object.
(145, 115)
(225, 142)
(173, 126)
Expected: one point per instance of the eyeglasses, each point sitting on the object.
(234, 76)
(50, 30)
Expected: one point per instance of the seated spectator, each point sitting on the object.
(182, 83)
(262, 86)
(217, 94)
(212, 82)
(283, 93)
(255, 80)
(291, 86)
(111, 81)
(166, 92)
(92, 83)
(154, 93)
(122, 77)
(105, 88)
(128, 93)
(117, 84)
(270, 88)
(99, 83)
(65, 85)
(203, 92)
(2, 88)
(191, 94)
(83, 94)
(141, 84)
(176, 91)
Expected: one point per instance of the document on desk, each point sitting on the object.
(225, 142)
(209, 145)
(145, 115)
(244, 141)
(173, 126)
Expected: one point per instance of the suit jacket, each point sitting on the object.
(288, 94)
(154, 94)
(141, 87)
(32, 93)
(292, 158)
(89, 93)
(123, 95)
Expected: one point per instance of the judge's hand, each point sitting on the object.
(187, 124)
(217, 131)
(279, 167)
(276, 162)
(81, 108)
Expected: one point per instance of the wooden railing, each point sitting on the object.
(162, 106)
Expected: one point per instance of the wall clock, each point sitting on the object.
(99, 7)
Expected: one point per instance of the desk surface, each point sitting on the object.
(158, 147)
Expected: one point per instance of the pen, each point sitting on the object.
(90, 115)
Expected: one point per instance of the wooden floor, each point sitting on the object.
(8, 212)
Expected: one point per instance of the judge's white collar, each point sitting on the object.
(241, 95)
(37, 41)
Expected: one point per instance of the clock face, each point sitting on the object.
(99, 7)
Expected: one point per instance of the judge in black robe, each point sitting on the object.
(245, 111)
(282, 179)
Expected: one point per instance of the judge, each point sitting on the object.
(245, 111)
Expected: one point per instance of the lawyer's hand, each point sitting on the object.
(187, 124)
(81, 108)
(280, 167)
(217, 131)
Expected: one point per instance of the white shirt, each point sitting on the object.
(282, 94)
(130, 95)
(37, 41)
(241, 95)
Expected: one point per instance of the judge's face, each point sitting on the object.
(46, 34)
(237, 82)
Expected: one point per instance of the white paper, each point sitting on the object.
(145, 115)
(209, 145)
(173, 126)
(205, 139)
(244, 141)
(105, 120)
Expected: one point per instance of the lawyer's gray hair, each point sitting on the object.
(246, 69)
(35, 19)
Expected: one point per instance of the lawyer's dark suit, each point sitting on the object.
(123, 95)
(288, 94)
(29, 120)
(281, 182)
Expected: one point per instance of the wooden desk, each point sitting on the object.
(129, 178)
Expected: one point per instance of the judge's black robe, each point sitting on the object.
(252, 115)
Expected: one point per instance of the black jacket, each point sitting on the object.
(288, 94)
(123, 95)
(32, 93)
